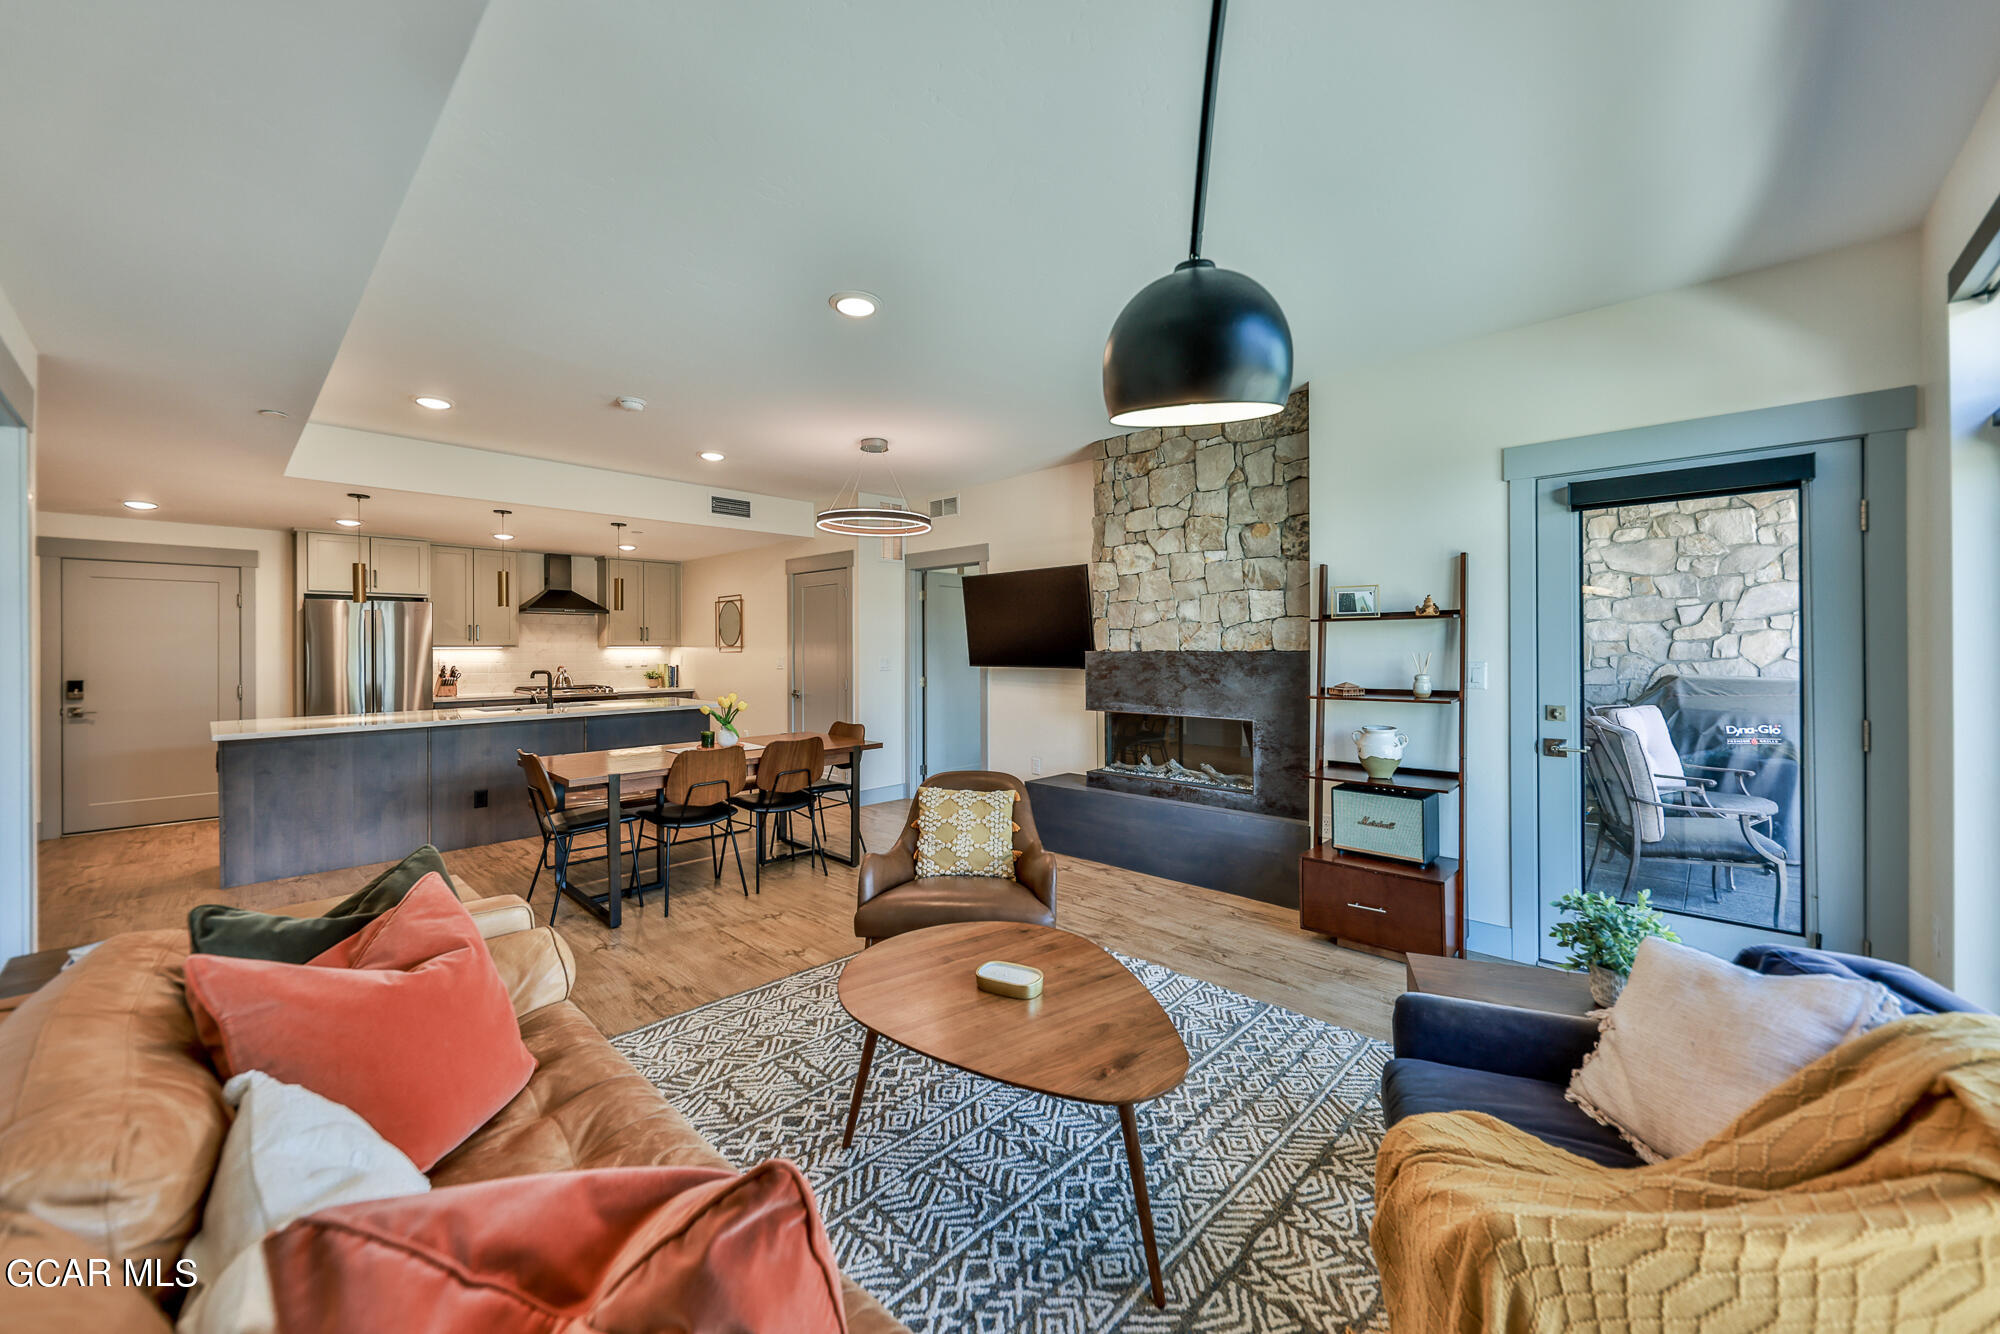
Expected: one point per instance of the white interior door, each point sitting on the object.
(151, 655)
(821, 660)
(954, 731)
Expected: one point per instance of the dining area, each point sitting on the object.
(626, 809)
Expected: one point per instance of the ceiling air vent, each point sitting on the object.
(730, 505)
(944, 508)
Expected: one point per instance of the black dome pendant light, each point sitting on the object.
(1202, 344)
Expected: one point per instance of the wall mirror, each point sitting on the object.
(729, 623)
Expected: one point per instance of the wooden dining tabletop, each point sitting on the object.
(589, 768)
(637, 770)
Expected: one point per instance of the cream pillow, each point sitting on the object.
(1694, 1040)
(965, 833)
(289, 1153)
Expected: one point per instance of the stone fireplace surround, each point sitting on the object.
(1267, 688)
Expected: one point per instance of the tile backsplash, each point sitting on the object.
(549, 642)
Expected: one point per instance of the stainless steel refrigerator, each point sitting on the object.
(366, 657)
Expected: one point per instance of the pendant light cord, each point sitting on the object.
(1207, 127)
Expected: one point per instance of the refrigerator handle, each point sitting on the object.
(373, 686)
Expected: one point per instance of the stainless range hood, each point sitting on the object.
(557, 598)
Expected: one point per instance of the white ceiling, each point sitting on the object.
(653, 199)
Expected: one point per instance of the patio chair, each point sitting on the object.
(1670, 771)
(1634, 811)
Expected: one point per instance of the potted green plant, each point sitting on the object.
(656, 676)
(1604, 937)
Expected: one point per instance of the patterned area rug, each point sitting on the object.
(968, 1205)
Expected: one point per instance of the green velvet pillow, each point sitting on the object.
(242, 934)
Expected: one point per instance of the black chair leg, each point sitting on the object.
(738, 852)
(541, 859)
(760, 852)
(665, 867)
(559, 877)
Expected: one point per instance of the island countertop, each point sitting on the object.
(248, 729)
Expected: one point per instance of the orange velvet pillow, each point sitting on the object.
(407, 1022)
(623, 1250)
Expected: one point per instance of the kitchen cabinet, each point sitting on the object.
(475, 597)
(395, 566)
(451, 597)
(495, 610)
(644, 598)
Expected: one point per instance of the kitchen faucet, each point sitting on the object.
(551, 696)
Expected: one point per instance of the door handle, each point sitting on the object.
(797, 695)
(74, 712)
(1555, 748)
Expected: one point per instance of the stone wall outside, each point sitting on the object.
(1706, 587)
(1201, 536)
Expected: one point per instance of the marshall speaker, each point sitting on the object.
(1384, 820)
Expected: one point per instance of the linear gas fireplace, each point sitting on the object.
(1170, 748)
(1217, 729)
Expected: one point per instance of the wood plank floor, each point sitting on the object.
(718, 943)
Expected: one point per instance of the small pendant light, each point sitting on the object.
(503, 587)
(848, 515)
(1202, 344)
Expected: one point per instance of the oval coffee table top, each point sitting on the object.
(1095, 1034)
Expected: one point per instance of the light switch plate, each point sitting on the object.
(1475, 675)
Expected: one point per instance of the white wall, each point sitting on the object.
(1042, 518)
(1954, 623)
(1406, 456)
(19, 719)
(275, 630)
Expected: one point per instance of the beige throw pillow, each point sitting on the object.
(965, 833)
(1695, 1040)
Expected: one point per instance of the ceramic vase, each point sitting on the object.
(1421, 686)
(1605, 985)
(1379, 746)
(725, 736)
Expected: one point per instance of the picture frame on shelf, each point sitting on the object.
(1355, 601)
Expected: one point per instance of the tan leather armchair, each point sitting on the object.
(893, 900)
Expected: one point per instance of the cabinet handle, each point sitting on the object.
(1368, 907)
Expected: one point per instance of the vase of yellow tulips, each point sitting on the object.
(723, 714)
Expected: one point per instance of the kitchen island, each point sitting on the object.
(300, 795)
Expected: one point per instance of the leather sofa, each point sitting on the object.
(893, 900)
(111, 1119)
(1456, 1055)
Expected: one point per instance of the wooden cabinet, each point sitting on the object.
(451, 597)
(644, 599)
(328, 560)
(399, 566)
(495, 609)
(1380, 905)
(393, 566)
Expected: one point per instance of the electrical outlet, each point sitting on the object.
(1034, 764)
(1475, 675)
(885, 665)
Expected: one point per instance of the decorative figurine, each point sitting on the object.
(1429, 607)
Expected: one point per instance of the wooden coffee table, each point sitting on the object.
(1095, 1034)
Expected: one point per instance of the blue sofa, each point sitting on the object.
(1466, 1056)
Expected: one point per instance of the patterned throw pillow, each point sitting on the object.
(965, 833)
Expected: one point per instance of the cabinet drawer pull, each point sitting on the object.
(1368, 907)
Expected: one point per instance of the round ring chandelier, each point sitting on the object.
(848, 515)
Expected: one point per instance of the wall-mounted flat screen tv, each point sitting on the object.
(1028, 618)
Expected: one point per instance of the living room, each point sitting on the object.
(569, 573)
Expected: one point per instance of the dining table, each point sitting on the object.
(633, 770)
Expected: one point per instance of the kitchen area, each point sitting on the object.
(422, 669)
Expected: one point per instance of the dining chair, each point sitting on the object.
(696, 795)
(561, 825)
(836, 784)
(783, 787)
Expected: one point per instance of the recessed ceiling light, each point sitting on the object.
(348, 523)
(712, 455)
(353, 520)
(140, 505)
(272, 412)
(627, 546)
(434, 403)
(854, 305)
(630, 404)
(503, 537)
